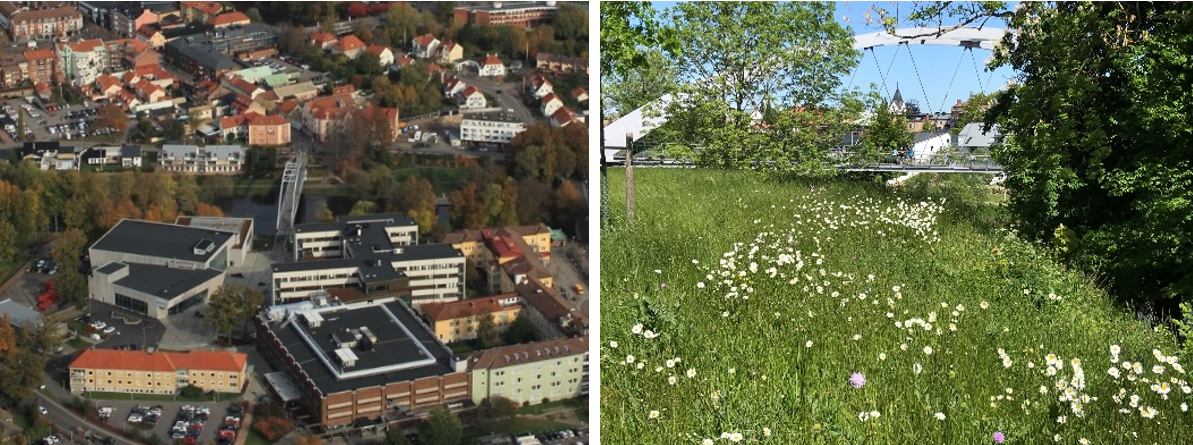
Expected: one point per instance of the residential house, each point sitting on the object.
(497, 127)
(460, 320)
(385, 57)
(127, 18)
(301, 91)
(158, 372)
(474, 243)
(539, 86)
(229, 19)
(929, 143)
(424, 46)
(200, 11)
(402, 60)
(148, 92)
(50, 155)
(82, 61)
(41, 21)
(44, 66)
(242, 86)
(531, 373)
(349, 46)
(563, 117)
(226, 159)
(472, 98)
(108, 86)
(556, 62)
(151, 35)
(268, 131)
(580, 94)
(549, 103)
(127, 54)
(323, 40)
(14, 68)
(450, 52)
(492, 66)
(972, 138)
(453, 86)
(551, 314)
(126, 156)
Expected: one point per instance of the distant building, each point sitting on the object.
(126, 156)
(494, 127)
(560, 63)
(897, 106)
(531, 373)
(360, 365)
(157, 269)
(424, 46)
(229, 19)
(972, 138)
(521, 15)
(472, 98)
(223, 159)
(39, 23)
(50, 155)
(349, 45)
(450, 52)
(158, 372)
(268, 131)
(460, 320)
(492, 66)
(549, 312)
(241, 229)
(82, 61)
(44, 66)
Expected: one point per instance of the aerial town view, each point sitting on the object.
(294, 223)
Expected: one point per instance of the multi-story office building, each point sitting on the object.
(360, 364)
(143, 372)
(494, 127)
(370, 257)
(521, 14)
(157, 269)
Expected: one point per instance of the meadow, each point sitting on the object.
(737, 308)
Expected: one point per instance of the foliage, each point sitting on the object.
(272, 428)
(231, 305)
(973, 110)
(521, 330)
(761, 84)
(626, 27)
(780, 361)
(191, 391)
(417, 200)
(395, 437)
(486, 330)
(323, 213)
(887, 133)
(499, 408)
(8, 337)
(1098, 122)
(363, 207)
(111, 116)
(621, 94)
(442, 428)
(22, 371)
(571, 21)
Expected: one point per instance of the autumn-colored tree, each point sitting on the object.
(67, 249)
(111, 116)
(204, 209)
(509, 199)
(491, 204)
(357, 10)
(8, 337)
(323, 213)
(416, 198)
(567, 203)
(466, 209)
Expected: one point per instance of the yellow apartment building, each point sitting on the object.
(459, 320)
(141, 372)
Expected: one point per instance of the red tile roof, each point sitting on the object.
(470, 90)
(376, 49)
(321, 37)
(563, 116)
(579, 91)
(228, 18)
(425, 39)
(468, 308)
(492, 59)
(205, 7)
(269, 120)
(548, 98)
(86, 45)
(39, 54)
(528, 353)
(161, 361)
(348, 43)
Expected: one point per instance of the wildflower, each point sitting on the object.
(629, 359)
(927, 350)
(939, 416)
(857, 380)
(917, 368)
(863, 416)
(903, 346)
(999, 437)
(654, 414)
(1184, 407)
(725, 314)
(649, 334)
(1006, 362)
(857, 337)
(671, 380)
(882, 356)
(1113, 372)
(700, 285)
(732, 371)
(671, 363)
(984, 305)
(691, 373)
(1083, 441)
(613, 344)
(735, 437)
(875, 414)
(706, 442)
(808, 344)
(766, 431)
(637, 329)
(1061, 419)
(1114, 349)
(1158, 369)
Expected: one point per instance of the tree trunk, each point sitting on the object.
(629, 177)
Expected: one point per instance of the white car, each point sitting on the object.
(42, 410)
(98, 324)
(134, 418)
(110, 329)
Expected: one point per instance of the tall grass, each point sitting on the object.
(736, 308)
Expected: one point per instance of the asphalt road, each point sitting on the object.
(508, 99)
(66, 420)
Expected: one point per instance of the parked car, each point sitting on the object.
(42, 410)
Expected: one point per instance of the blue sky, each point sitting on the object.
(936, 88)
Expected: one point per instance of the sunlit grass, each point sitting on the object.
(714, 340)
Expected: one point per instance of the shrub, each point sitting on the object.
(192, 391)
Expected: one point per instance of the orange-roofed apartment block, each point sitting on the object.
(141, 372)
(83, 61)
(460, 320)
(268, 131)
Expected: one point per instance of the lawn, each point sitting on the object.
(759, 310)
(78, 343)
(573, 403)
(443, 179)
(524, 425)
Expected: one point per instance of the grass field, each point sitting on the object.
(737, 308)
(443, 179)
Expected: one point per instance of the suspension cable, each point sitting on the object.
(976, 72)
(888, 68)
(921, 79)
(944, 102)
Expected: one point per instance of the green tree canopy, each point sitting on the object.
(442, 428)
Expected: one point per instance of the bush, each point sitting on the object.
(272, 428)
(192, 391)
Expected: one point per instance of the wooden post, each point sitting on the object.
(629, 177)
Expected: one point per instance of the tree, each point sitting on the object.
(254, 15)
(71, 286)
(887, 134)
(363, 207)
(21, 373)
(624, 93)
(571, 21)
(191, 391)
(486, 330)
(761, 84)
(442, 428)
(395, 437)
(230, 305)
(521, 330)
(533, 203)
(973, 110)
(491, 204)
(626, 27)
(323, 213)
(8, 337)
(416, 198)
(466, 208)
(568, 204)
(500, 408)
(402, 22)
(216, 187)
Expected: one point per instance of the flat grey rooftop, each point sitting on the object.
(394, 347)
(160, 240)
(164, 282)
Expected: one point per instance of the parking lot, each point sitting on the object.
(199, 428)
(49, 122)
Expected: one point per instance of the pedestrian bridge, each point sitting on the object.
(291, 192)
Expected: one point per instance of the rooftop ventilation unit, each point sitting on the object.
(204, 247)
(313, 319)
(347, 357)
(364, 330)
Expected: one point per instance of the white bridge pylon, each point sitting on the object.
(639, 122)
